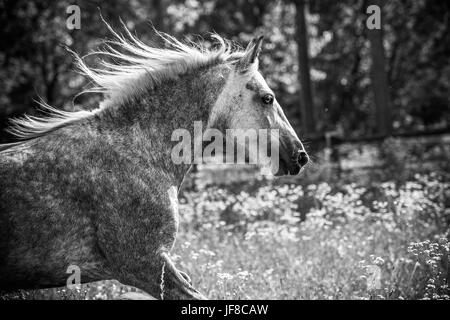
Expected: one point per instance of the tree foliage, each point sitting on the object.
(35, 63)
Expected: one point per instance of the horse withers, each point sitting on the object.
(97, 189)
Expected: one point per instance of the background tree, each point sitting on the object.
(34, 62)
(379, 77)
(306, 102)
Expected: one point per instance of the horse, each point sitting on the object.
(97, 189)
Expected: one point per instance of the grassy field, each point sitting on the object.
(378, 234)
(382, 234)
(385, 241)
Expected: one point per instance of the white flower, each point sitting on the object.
(224, 276)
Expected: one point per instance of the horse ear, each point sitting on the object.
(251, 53)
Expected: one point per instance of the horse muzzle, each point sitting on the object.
(291, 160)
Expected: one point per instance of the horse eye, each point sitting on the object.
(267, 99)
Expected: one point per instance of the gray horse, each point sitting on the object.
(98, 189)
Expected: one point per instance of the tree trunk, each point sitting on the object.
(306, 102)
(159, 7)
(379, 79)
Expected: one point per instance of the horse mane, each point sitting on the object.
(137, 66)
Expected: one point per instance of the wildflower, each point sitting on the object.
(378, 261)
(243, 274)
(224, 276)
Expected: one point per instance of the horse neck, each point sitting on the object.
(149, 120)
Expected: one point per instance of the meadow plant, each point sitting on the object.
(401, 229)
(386, 240)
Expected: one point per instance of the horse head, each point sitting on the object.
(247, 102)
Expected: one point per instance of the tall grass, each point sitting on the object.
(382, 242)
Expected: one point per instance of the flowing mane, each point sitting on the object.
(136, 66)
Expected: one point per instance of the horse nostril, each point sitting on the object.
(302, 158)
